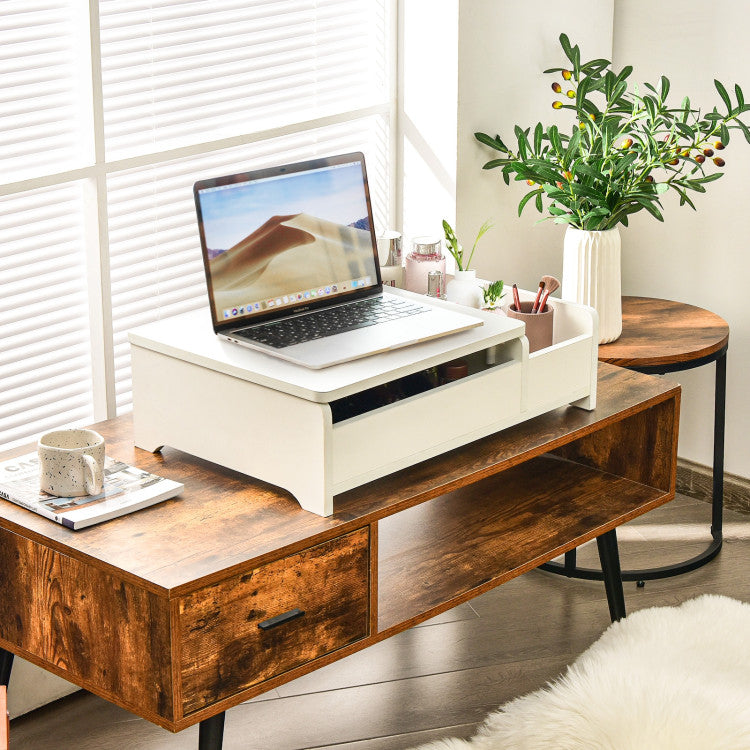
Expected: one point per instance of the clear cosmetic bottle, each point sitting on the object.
(389, 254)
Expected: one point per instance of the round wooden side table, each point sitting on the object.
(658, 337)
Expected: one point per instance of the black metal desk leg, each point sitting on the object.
(6, 664)
(610, 560)
(211, 733)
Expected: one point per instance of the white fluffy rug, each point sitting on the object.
(666, 678)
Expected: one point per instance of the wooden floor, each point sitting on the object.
(441, 678)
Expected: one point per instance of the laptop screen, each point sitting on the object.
(282, 240)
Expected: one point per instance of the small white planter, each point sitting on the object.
(463, 289)
(591, 276)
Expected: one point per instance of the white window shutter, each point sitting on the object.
(43, 95)
(176, 74)
(45, 348)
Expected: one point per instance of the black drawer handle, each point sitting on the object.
(272, 622)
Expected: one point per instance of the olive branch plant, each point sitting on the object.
(626, 147)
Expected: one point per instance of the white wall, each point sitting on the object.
(698, 258)
(428, 52)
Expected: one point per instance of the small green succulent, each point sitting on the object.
(492, 293)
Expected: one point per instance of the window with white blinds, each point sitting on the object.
(106, 122)
(44, 100)
(174, 72)
(45, 353)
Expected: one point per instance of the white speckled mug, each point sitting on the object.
(71, 463)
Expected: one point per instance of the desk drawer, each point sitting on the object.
(225, 649)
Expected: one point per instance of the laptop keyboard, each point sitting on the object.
(329, 322)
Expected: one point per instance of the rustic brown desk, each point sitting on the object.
(183, 610)
(658, 337)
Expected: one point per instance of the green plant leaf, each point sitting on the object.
(581, 168)
(526, 198)
(710, 177)
(573, 144)
(623, 74)
(567, 219)
(595, 67)
(581, 91)
(609, 82)
(745, 130)
(685, 130)
(618, 90)
(556, 194)
(650, 104)
(723, 94)
(740, 96)
(487, 140)
(622, 164)
(567, 49)
(538, 133)
(554, 135)
(584, 191)
(684, 110)
(650, 207)
(664, 88)
(684, 198)
(695, 185)
(598, 213)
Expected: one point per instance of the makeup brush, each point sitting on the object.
(535, 306)
(516, 298)
(551, 284)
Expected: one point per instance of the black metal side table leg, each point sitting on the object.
(610, 560)
(6, 664)
(211, 733)
(717, 493)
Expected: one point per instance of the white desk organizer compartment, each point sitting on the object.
(566, 371)
(273, 420)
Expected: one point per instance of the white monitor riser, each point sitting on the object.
(272, 420)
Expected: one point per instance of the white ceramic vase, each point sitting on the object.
(463, 289)
(591, 276)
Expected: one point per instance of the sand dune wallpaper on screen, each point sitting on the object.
(272, 237)
(288, 253)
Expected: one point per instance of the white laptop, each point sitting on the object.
(292, 266)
